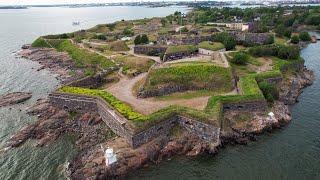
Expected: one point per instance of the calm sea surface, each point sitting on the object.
(290, 153)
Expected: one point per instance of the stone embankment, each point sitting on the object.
(53, 123)
(14, 98)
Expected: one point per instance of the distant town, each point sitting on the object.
(178, 3)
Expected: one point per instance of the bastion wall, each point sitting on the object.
(121, 126)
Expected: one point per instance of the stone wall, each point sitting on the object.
(251, 38)
(173, 40)
(74, 103)
(206, 132)
(162, 128)
(246, 106)
(149, 49)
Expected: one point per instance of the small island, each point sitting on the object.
(150, 89)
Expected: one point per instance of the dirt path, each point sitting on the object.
(266, 66)
(123, 91)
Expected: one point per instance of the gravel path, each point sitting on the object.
(123, 91)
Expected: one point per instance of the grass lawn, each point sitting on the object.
(196, 76)
(213, 46)
(280, 41)
(134, 65)
(181, 48)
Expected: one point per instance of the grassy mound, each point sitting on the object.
(212, 46)
(188, 76)
(133, 65)
(181, 48)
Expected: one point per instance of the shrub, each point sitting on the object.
(287, 33)
(269, 91)
(137, 40)
(240, 58)
(280, 29)
(141, 39)
(304, 36)
(229, 43)
(295, 39)
(288, 52)
(128, 32)
(100, 36)
(144, 39)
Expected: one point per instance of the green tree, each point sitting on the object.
(240, 58)
(229, 43)
(144, 39)
(280, 29)
(304, 36)
(137, 40)
(287, 33)
(295, 39)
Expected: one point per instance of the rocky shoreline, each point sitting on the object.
(14, 98)
(93, 136)
(58, 63)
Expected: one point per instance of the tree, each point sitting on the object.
(295, 39)
(287, 33)
(288, 52)
(137, 40)
(229, 43)
(240, 58)
(304, 36)
(144, 39)
(280, 29)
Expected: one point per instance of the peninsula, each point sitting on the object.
(190, 83)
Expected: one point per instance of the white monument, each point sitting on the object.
(110, 156)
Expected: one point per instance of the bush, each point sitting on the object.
(137, 40)
(295, 39)
(304, 36)
(269, 91)
(141, 39)
(229, 43)
(288, 52)
(287, 33)
(144, 39)
(128, 32)
(101, 37)
(283, 52)
(240, 58)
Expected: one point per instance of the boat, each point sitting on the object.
(75, 23)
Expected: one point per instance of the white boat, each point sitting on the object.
(75, 23)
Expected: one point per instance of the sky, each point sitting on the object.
(37, 2)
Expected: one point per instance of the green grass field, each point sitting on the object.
(196, 76)
(213, 46)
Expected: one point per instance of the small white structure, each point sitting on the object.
(126, 38)
(271, 115)
(110, 157)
